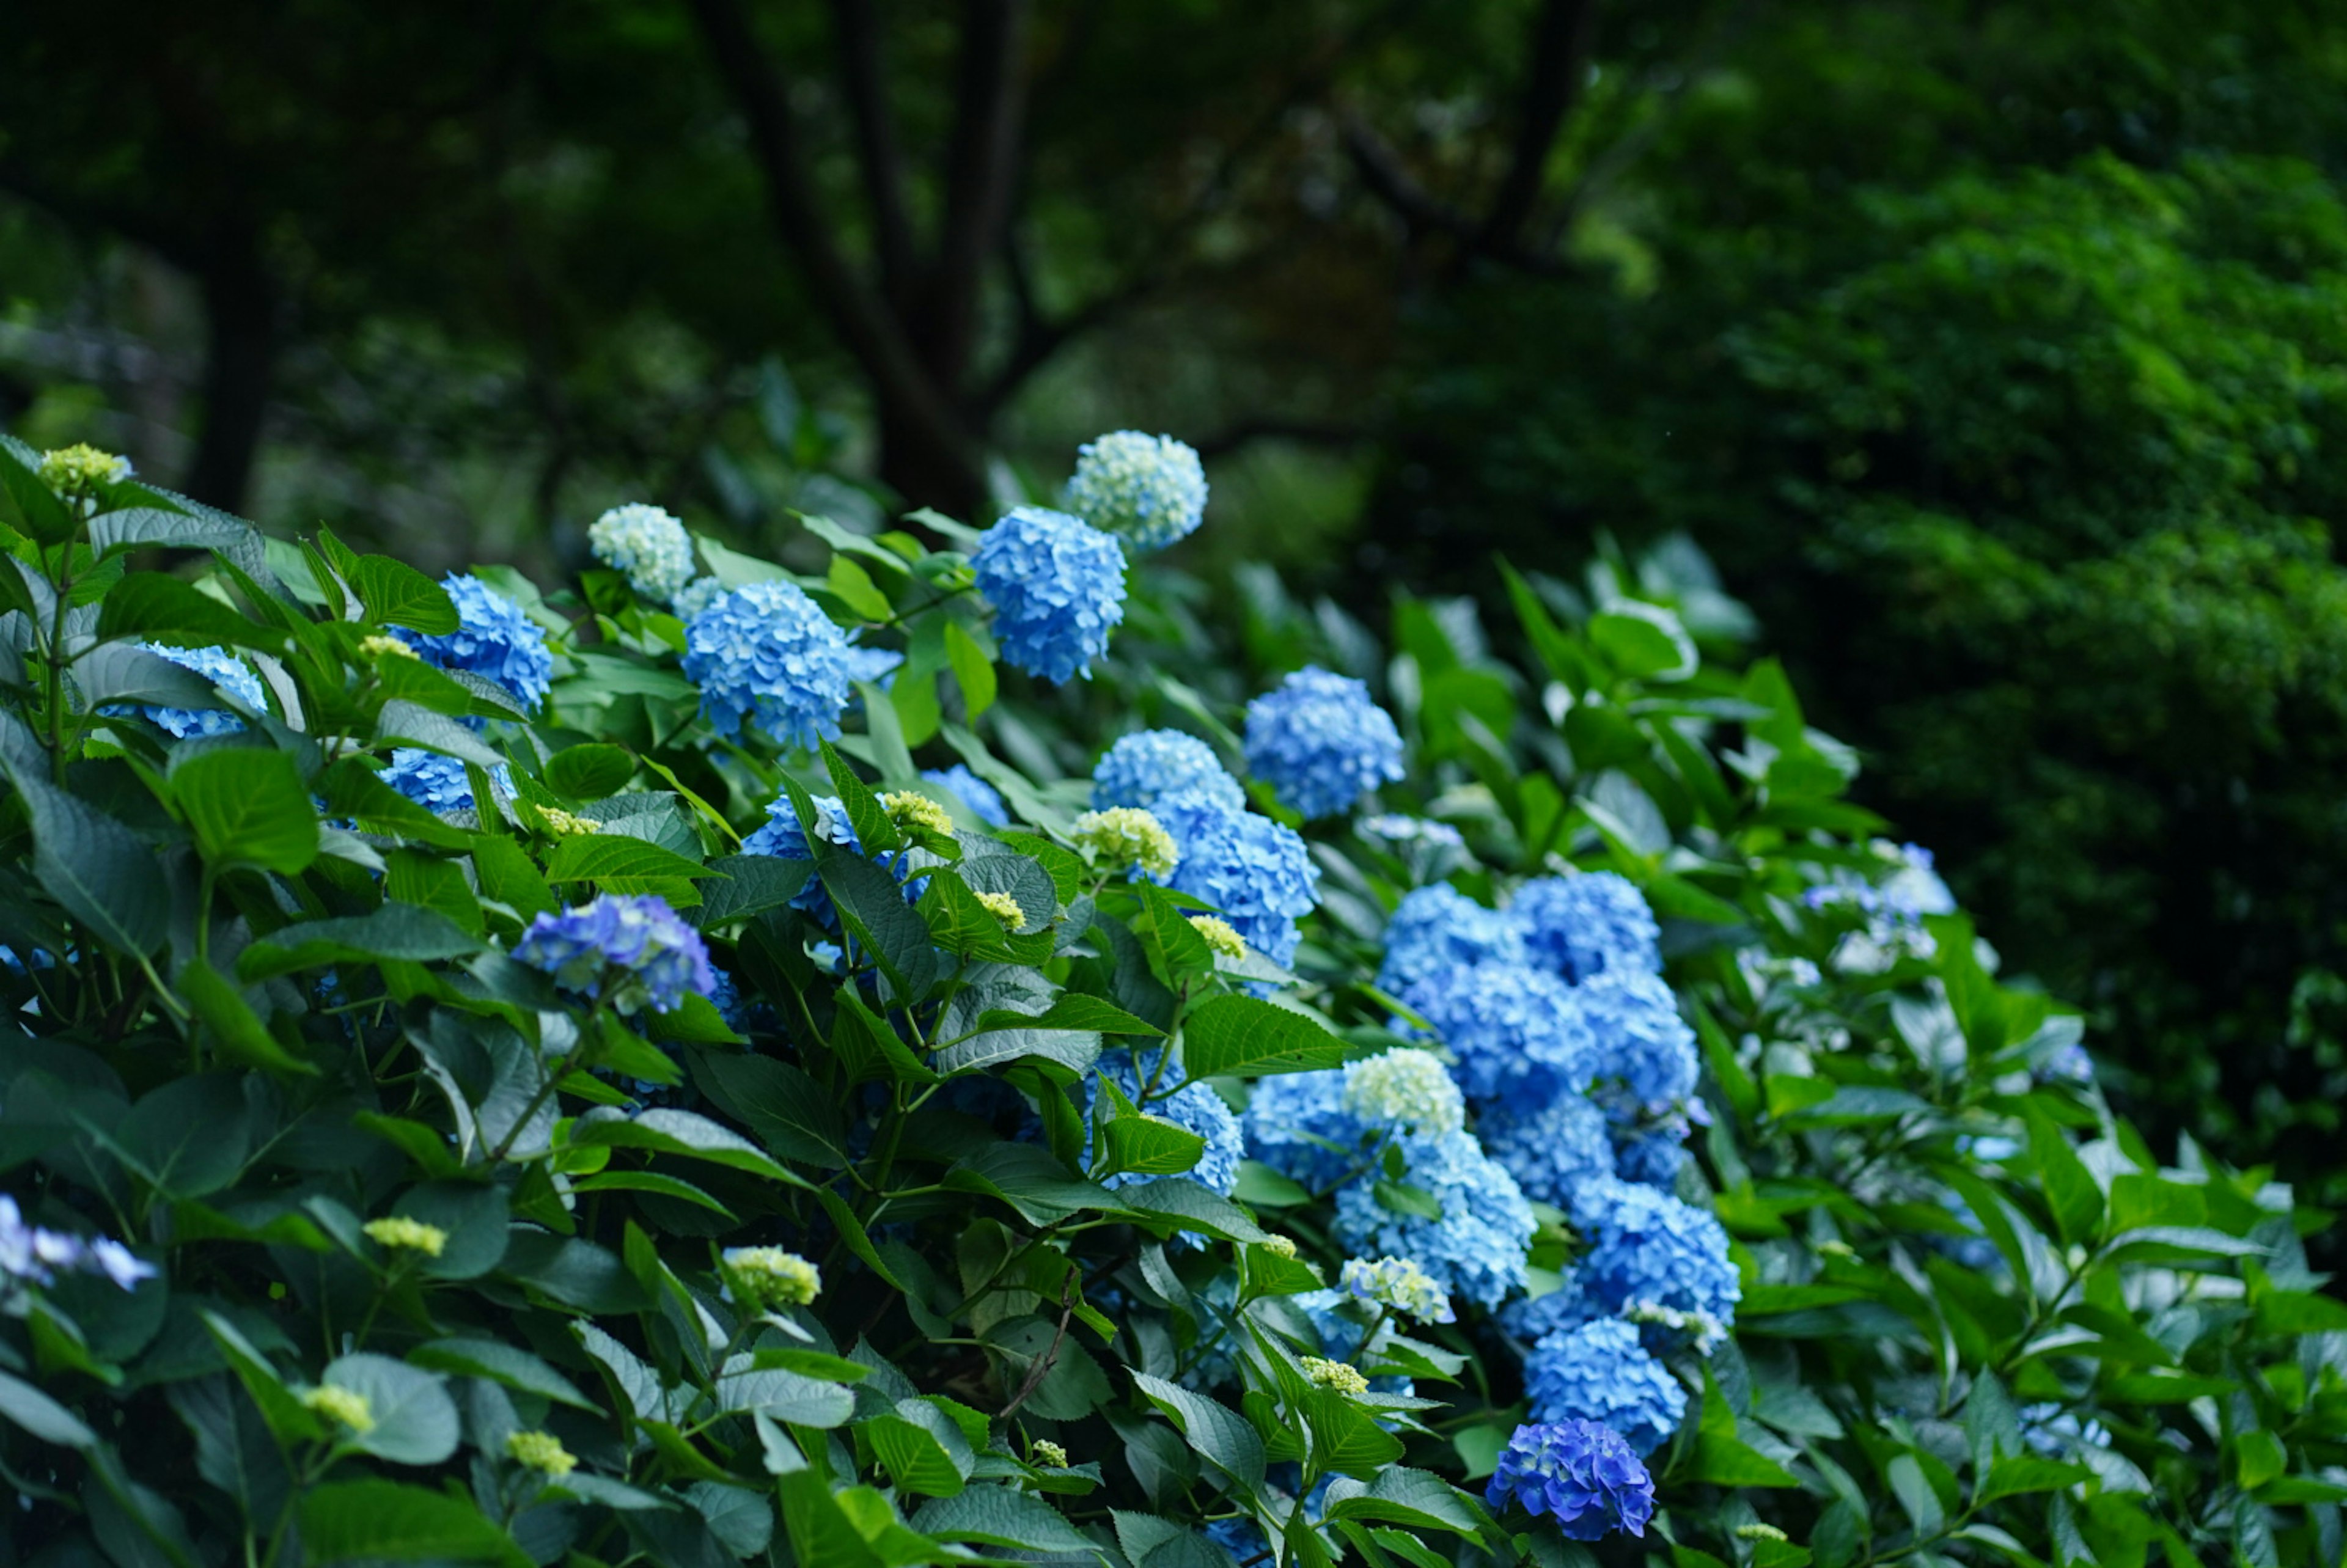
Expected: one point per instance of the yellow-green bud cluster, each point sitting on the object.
(71, 470)
(375, 645)
(563, 825)
(1280, 1245)
(906, 809)
(1004, 907)
(769, 1277)
(345, 1407)
(542, 1451)
(1758, 1531)
(1051, 1455)
(1221, 935)
(414, 1234)
(1127, 835)
(1347, 1381)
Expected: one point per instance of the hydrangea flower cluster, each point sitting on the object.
(1599, 1371)
(1579, 1473)
(1320, 743)
(1222, 938)
(1057, 585)
(985, 802)
(493, 640)
(1553, 1151)
(438, 783)
(1476, 1249)
(1143, 768)
(1648, 1250)
(541, 1451)
(1436, 930)
(82, 466)
(1398, 1284)
(1257, 872)
(1296, 1123)
(770, 1278)
(35, 1254)
(1518, 1034)
(222, 668)
(631, 945)
(696, 595)
(1149, 490)
(648, 545)
(1641, 1040)
(1125, 835)
(1406, 1088)
(1194, 1108)
(766, 652)
(1582, 926)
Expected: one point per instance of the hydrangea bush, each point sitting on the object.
(686, 1069)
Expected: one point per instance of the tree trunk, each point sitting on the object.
(241, 318)
(926, 472)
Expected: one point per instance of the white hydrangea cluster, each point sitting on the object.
(647, 544)
(1406, 1088)
(1396, 1283)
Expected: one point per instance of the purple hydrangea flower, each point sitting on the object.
(1057, 585)
(1320, 743)
(1579, 1473)
(633, 943)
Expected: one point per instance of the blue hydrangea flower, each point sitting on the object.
(764, 652)
(1149, 490)
(437, 782)
(1476, 1249)
(1057, 585)
(1435, 929)
(648, 545)
(634, 943)
(2068, 1064)
(1517, 1032)
(985, 802)
(696, 595)
(1194, 1108)
(32, 1255)
(1641, 1040)
(1257, 872)
(1582, 926)
(1296, 1123)
(1652, 1154)
(1320, 743)
(1143, 768)
(222, 668)
(1649, 1250)
(1579, 1473)
(785, 836)
(1601, 1372)
(493, 640)
(1554, 1150)
(875, 665)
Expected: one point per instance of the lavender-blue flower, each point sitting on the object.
(1142, 768)
(1476, 1249)
(494, 640)
(1599, 1371)
(633, 945)
(766, 653)
(1257, 872)
(1579, 1473)
(1582, 926)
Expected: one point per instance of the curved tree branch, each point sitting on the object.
(1562, 38)
(981, 170)
(865, 79)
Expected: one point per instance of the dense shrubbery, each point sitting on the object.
(514, 1079)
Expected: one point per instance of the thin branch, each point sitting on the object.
(1035, 1373)
(1380, 168)
(1562, 38)
(875, 339)
(982, 159)
(865, 78)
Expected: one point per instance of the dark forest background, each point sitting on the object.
(1995, 353)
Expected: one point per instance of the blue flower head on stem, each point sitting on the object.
(1057, 585)
(1143, 768)
(224, 670)
(493, 640)
(765, 652)
(1599, 1371)
(1579, 1473)
(1257, 872)
(1320, 743)
(630, 949)
(1586, 925)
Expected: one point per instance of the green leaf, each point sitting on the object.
(500, 1363)
(788, 1111)
(1402, 1198)
(1416, 1498)
(671, 1132)
(853, 588)
(872, 909)
(1221, 1436)
(1345, 1438)
(288, 1421)
(155, 607)
(999, 1516)
(2069, 1187)
(2017, 1475)
(1243, 1036)
(1031, 1180)
(362, 1521)
(618, 863)
(973, 670)
(742, 885)
(591, 771)
(785, 1395)
(396, 931)
(248, 807)
(874, 829)
(396, 594)
(236, 1031)
(922, 1449)
(1149, 1146)
(190, 1136)
(43, 1416)
(1193, 1206)
(406, 724)
(33, 507)
(95, 867)
(415, 1419)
